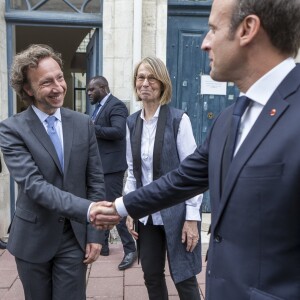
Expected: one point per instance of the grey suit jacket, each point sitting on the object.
(254, 251)
(46, 195)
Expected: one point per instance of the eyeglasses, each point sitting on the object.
(150, 78)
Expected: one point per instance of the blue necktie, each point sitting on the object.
(239, 108)
(97, 108)
(55, 139)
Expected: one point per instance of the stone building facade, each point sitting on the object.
(131, 30)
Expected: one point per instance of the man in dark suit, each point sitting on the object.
(58, 171)
(254, 250)
(109, 118)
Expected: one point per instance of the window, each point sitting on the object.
(79, 92)
(77, 6)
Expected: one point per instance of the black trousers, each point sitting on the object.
(153, 249)
(113, 190)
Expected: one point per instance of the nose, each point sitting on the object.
(58, 86)
(206, 42)
(145, 80)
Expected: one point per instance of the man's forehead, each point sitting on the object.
(221, 10)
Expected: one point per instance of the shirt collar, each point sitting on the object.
(262, 89)
(43, 116)
(155, 116)
(102, 102)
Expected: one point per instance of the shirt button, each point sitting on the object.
(218, 239)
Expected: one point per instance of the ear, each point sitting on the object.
(27, 88)
(249, 29)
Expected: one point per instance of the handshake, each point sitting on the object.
(103, 215)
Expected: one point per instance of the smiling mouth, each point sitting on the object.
(56, 98)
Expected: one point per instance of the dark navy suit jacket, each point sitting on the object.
(254, 251)
(110, 128)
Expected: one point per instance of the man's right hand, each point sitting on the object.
(103, 215)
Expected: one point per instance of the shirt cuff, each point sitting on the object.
(120, 207)
(88, 213)
(192, 214)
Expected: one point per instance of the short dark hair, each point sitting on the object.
(100, 81)
(279, 18)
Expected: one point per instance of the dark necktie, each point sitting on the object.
(95, 112)
(239, 108)
(55, 139)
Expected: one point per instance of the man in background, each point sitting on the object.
(109, 118)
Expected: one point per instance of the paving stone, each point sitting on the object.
(105, 269)
(134, 276)
(7, 261)
(15, 292)
(201, 276)
(104, 280)
(171, 286)
(202, 289)
(7, 278)
(2, 292)
(137, 292)
(105, 287)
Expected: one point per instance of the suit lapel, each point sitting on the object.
(103, 108)
(265, 122)
(39, 131)
(68, 132)
(218, 154)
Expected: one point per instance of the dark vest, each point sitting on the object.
(165, 155)
(183, 264)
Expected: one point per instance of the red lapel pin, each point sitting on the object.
(273, 112)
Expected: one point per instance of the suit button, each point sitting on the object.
(61, 219)
(218, 239)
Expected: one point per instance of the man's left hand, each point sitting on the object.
(92, 252)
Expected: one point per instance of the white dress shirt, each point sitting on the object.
(260, 92)
(102, 102)
(185, 145)
(58, 125)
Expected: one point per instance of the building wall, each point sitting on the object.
(4, 177)
(132, 29)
